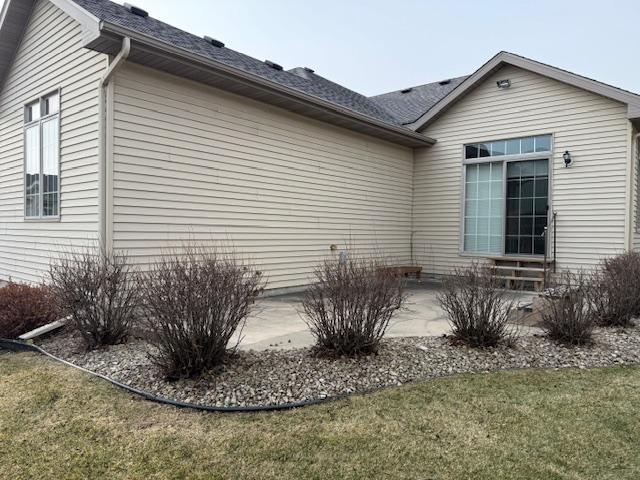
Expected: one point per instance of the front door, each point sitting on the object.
(527, 207)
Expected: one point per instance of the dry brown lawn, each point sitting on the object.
(57, 423)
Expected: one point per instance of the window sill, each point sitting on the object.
(499, 256)
(42, 220)
(477, 255)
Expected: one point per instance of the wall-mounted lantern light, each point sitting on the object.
(567, 158)
(506, 83)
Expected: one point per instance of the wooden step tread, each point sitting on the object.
(520, 269)
(521, 259)
(523, 279)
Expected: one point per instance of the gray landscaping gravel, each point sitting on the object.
(273, 377)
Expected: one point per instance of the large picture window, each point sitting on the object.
(506, 196)
(483, 208)
(41, 158)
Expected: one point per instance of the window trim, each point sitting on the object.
(25, 126)
(504, 159)
(526, 137)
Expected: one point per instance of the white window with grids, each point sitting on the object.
(484, 205)
(506, 197)
(42, 158)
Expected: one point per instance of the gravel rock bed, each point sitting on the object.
(273, 377)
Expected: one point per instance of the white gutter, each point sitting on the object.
(190, 58)
(103, 191)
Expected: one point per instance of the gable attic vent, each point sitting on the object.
(136, 10)
(213, 41)
(273, 65)
(406, 90)
(444, 82)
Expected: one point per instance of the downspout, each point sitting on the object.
(103, 191)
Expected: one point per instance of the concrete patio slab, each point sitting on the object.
(278, 325)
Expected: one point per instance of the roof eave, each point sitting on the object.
(13, 20)
(633, 112)
(106, 37)
(90, 23)
(266, 90)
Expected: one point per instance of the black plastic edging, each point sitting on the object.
(15, 346)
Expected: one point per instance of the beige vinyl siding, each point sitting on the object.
(590, 197)
(195, 163)
(50, 56)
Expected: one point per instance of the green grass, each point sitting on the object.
(572, 424)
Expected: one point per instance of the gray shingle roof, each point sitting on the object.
(315, 85)
(409, 104)
(338, 91)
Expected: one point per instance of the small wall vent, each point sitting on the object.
(213, 41)
(136, 10)
(273, 65)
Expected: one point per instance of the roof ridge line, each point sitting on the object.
(418, 86)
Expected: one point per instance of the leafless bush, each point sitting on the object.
(477, 306)
(24, 308)
(567, 316)
(195, 301)
(98, 289)
(615, 292)
(349, 307)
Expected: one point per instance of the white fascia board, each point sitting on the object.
(506, 58)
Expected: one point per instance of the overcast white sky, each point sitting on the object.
(377, 46)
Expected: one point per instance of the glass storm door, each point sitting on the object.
(527, 206)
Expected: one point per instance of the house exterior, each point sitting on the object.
(120, 129)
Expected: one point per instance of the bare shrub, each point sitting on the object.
(98, 289)
(478, 307)
(194, 302)
(615, 292)
(567, 316)
(349, 307)
(24, 308)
